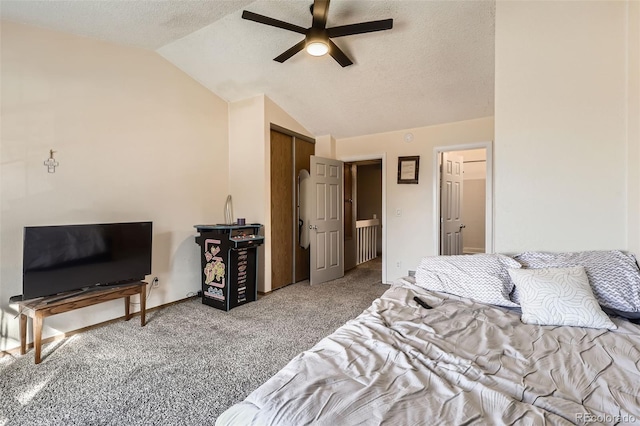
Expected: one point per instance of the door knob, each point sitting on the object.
(462, 226)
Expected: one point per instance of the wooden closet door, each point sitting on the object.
(282, 192)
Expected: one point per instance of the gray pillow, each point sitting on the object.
(481, 277)
(613, 275)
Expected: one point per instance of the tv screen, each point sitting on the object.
(58, 259)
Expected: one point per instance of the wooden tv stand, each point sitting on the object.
(39, 309)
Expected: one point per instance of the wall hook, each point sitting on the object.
(51, 163)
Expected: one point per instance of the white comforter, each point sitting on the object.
(459, 363)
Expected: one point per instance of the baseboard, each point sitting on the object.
(16, 350)
(472, 250)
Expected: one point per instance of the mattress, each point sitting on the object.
(461, 362)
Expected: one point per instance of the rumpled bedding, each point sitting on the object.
(461, 362)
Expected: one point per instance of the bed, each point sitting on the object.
(464, 361)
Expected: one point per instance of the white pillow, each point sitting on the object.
(558, 296)
(481, 277)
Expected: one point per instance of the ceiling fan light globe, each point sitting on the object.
(317, 48)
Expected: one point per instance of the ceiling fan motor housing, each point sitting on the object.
(317, 35)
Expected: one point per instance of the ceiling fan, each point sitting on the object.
(317, 40)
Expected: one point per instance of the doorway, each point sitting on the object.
(463, 199)
(364, 207)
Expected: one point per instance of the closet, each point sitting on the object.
(290, 153)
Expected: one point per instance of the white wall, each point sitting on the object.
(246, 158)
(136, 139)
(326, 146)
(250, 166)
(562, 177)
(410, 236)
(276, 115)
(633, 125)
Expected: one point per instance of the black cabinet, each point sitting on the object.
(229, 260)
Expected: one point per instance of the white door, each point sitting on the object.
(451, 225)
(326, 232)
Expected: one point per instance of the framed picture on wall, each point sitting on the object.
(408, 169)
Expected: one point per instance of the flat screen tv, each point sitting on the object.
(58, 259)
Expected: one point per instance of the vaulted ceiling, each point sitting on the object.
(435, 66)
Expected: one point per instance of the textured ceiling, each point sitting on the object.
(435, 66)
(142, 23)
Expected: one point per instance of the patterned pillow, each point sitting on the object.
(613, 275)
(481, 277)
(559, 296)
